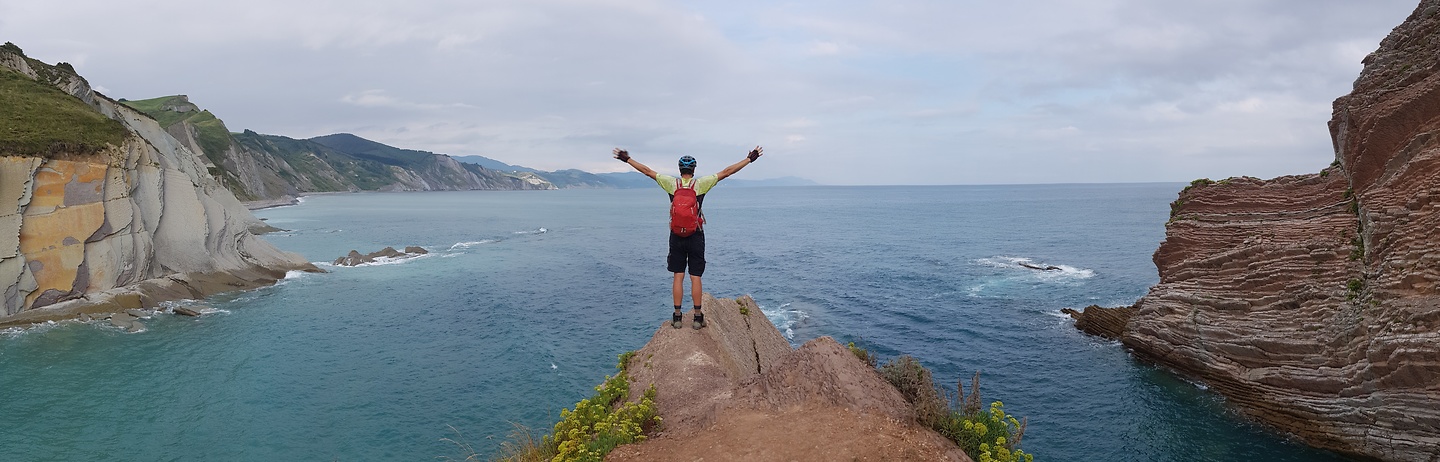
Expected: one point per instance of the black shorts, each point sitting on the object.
(687, 251)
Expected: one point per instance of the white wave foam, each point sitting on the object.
(785, 319)
(469, 244)
(1058, 314)
(1045, 272)
(383, 261)
(17, 331)
(534, 231)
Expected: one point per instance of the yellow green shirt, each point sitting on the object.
(702, 184)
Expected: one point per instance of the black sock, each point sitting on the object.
(697, 312)
(677, 307)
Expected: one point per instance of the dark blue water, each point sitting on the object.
(527, 297)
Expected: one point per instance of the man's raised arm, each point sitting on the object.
(749, 158)
(625, 157)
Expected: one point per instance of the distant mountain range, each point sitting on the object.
(571, 178)
(257, 167)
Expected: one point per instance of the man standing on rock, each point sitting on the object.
(687, 231)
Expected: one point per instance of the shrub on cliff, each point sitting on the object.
(595, 427)
(985, 435)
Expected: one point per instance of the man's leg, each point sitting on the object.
(676, 263)
(678, 290)
(695, 292)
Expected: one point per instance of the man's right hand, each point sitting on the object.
(623, 155)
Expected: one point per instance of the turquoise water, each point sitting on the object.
(527, 297)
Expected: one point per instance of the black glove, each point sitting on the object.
(754, 154)
(623, 155)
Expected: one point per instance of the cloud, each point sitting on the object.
(991, 92)
(378, 98)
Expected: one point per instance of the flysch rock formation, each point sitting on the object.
(1310, 301)
(129, 227)
(735, 390)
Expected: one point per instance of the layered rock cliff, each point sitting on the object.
(737, 391)
(100, 227)
(1310, 301)
(259, 167)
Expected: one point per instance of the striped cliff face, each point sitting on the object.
(1310, 301)
(126, 225)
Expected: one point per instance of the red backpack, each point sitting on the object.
(685, 216)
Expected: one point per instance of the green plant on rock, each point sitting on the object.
(1198, 183)
(1353, 288)
(594, 427)
(863, 354)
(986, 436)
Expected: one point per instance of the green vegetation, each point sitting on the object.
(863, 354)
(1353, 288)
(40, 120)
(595, 427)
(985, 435)
(210, 131)
(1198, 183)
(745, 310)
(1357, 248)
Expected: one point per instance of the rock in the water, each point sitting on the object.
(355, 258)
(1104, 322)
(137, 313)
(180, 310)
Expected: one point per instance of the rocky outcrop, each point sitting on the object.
(1102, 322)
(130, 226)
(735, 390)
(1310, 301)
(355, 258)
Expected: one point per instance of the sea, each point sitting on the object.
(526, 298)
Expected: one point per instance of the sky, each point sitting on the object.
(840, 92)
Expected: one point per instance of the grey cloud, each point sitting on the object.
(965, 92)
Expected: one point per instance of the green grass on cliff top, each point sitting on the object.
(37, 119)
(210, 131)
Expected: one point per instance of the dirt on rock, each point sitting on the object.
(735, 390)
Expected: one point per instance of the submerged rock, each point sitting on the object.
(183, 311)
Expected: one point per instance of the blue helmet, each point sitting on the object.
(687, 163)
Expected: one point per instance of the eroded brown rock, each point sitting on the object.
(1100, 321)
(737, 391)
(1310, 301)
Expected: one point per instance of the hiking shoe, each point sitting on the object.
(699, 322)
(676, 321)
